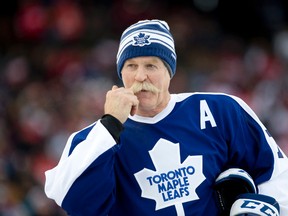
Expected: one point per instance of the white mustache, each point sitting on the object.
(137, 87)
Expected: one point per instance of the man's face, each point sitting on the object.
(150, 71)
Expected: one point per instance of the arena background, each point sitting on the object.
(57, 60)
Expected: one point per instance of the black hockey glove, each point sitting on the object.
(229, 185)
(237, 196)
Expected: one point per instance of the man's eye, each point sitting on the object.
(131, 65)
(151, 66)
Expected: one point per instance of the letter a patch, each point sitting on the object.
(206, 115)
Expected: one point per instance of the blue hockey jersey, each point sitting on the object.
(167, 165)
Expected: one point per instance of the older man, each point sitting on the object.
(156, 153)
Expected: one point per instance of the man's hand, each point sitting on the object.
(120, 102)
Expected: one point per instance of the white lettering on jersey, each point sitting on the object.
(206, 115)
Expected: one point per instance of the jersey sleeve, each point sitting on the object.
(83, 182)
(255, 146)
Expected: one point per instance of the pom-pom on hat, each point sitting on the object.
(147, 38)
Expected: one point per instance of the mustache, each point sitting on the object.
(139, 86)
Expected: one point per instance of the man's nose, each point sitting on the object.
(141, 74)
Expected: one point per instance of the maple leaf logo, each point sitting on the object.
(141, 40)
(173, 182)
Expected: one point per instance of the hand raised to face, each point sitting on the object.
(120, 102)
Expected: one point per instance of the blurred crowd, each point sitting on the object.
(57, 60)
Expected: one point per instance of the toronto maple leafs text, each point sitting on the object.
(173, 184)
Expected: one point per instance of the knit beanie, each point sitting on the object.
(147, 38)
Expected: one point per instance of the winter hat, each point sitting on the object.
(147, 38)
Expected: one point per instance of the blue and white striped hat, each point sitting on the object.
(147, 38)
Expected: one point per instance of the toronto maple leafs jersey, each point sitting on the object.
(167, 165)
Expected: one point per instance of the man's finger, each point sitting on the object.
(133, 110)
(114, 87)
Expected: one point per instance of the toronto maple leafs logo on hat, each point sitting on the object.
(141, 40)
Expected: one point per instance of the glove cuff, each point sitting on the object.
(229, 185)
(236, 174)
(255, 205)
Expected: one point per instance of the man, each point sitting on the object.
(156, 153)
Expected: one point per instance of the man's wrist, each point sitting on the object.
(113, 125)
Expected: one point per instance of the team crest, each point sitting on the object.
(173, 182)
(141, 40)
